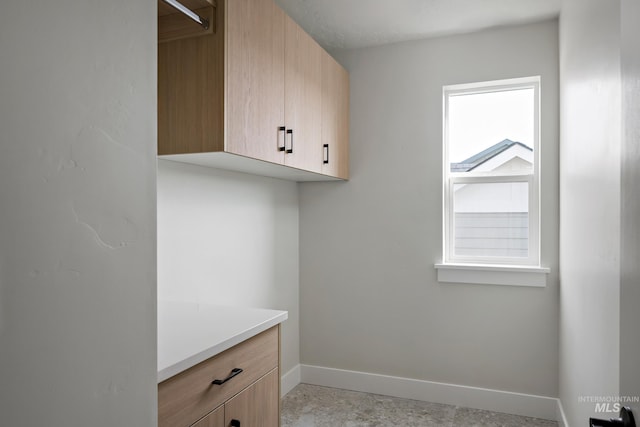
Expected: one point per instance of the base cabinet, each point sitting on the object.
(256, 406)
(239, 387)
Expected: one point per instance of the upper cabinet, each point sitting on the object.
(253, 92)
(254, 83)
(335, 118)
(302, 99)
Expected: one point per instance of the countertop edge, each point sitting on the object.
(218, 348)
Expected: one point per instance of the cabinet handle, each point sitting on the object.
(234, 372)
(235, 423)
(284, 142)
(326, 154)
(290, 132)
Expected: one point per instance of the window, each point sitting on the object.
(491, 173)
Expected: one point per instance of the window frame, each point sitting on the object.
(452, 178)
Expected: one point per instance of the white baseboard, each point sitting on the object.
(289, 380)
(450, 394)
(561, 417)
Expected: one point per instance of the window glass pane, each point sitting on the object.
(492, 131)
(491, 219)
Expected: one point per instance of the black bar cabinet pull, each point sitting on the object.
(235, 423)
(626, 420)
(290, 132)
(326, 154)
(284, 142)
(234, 372)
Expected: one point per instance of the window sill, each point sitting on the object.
(508, 275)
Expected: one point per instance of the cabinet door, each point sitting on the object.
(254, 97)
(302, 99)
(214, 419)
(257, 405)
(335, 118)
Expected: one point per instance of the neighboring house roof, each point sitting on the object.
(478, 159)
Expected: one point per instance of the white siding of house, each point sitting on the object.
(491, 197)
(492, 219)
(503, 234)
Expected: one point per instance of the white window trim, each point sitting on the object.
(509, 275)
(492, 270)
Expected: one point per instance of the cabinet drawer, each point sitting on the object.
(190, 395)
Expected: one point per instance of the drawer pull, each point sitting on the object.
(234, 372)
(235, 423)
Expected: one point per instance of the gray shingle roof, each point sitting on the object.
(485, 155)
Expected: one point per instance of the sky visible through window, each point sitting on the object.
(478, 121)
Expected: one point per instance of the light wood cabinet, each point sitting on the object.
(252, 88)
(254, 101)
(241, 383)
(255, 406)
(191, 88)
(303, 99)
(335, 118)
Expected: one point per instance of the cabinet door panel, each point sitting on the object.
(255, 79)
(214, 419)
(303, 98)
(256, 406)
(335, 117)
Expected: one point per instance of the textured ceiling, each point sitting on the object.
(359, 23)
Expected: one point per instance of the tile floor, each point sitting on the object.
(314, 406)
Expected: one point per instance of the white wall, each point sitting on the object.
(630, 268)
(370, 300)
(590, 204)
(77, 213)
(231, 239)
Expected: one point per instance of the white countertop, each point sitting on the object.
(189, 333)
